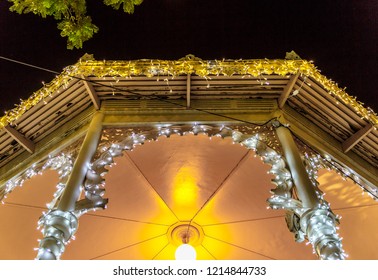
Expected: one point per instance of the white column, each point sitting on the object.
(317, 221)
(88, 149)
(303, 185)
(61, 223)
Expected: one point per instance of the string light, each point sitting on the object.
(87, 66)
(61, 163)
(58, 228)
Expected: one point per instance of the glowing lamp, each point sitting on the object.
(185, 252)
(185, 236)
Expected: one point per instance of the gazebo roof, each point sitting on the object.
(318, 110)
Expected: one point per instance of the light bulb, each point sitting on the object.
(185, 252)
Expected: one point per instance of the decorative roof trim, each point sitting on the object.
(190, 64)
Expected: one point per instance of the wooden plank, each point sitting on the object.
(348, 144)
(318, 120)
(324, 102)
(287, 90)
(38, 114)
(54, 112)
(20, 138)
(348, 112)
(83, 103)
(188, 91)
(34, 112)
(51, 144)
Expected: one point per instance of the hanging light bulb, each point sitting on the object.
(185, 236)
(185, 252)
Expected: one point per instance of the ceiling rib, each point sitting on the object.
(232, 172)
(136, 167)
(357, 137)
(128, 246)
(208, 252)
(161, 250)
(240, 247)
(20, 138)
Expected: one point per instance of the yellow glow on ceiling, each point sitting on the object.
(185, 192)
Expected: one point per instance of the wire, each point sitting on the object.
(28, 65)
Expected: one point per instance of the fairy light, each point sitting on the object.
(316, 161)
(61, 163)
(87, 66)
(58, 228)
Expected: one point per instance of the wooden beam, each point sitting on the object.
(92, 93)
(324, 143)
(188, 89)
(287, 90)
(348, 144)
(20, 138)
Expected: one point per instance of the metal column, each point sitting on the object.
(61, 223)
(317, 221)
(304, 187)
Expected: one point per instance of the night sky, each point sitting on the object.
(341, 37)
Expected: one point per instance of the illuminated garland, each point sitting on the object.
(315, 161)
(62, 163)
(87, 66)
(318, 225)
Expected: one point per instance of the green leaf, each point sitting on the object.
(77, 32)
(74, 23)
(128, 5)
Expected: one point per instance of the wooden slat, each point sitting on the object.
(328, 106)
(188, 89)
(346, 111)
(5, 140)
(38, 114)
(83, 104)
(321, 107)
(9, 159)
(48, 117)
(29, 115)
(317, 120)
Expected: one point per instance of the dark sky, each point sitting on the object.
(341, 37)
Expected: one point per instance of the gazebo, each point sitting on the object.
(241, 159)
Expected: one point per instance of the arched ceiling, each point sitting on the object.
(220, 186)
